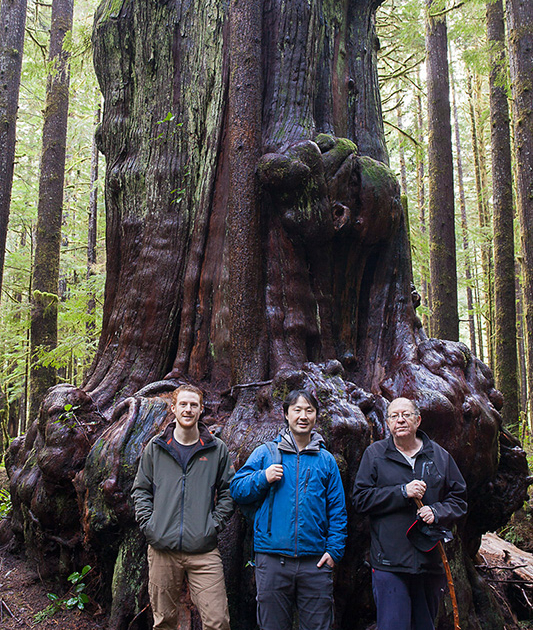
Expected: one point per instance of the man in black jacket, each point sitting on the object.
(407, 583)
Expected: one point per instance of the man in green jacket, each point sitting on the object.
(182, 502)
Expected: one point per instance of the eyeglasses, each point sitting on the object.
(406, 415)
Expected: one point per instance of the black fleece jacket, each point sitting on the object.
(379, 491)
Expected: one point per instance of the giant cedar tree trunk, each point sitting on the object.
(444, 317)
(520, 36)
(505, 355)
(44, 296)
(256, 242)
(12, 22)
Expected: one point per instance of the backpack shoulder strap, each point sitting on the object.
(274, 451)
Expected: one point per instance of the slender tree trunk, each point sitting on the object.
(92, 232)
(520, 39)
(421, 199)
(520, 329)
(464, 222)
(48, 234)
(12, 23)
(444, 310)
(480, 111)
(505, 356)
(478, 273)
(486, 257)
(401, 152)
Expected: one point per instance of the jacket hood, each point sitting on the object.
(286, 442)
(205, 435)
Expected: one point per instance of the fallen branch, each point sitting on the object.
(4, 606)
(137, 616)
(504, 568)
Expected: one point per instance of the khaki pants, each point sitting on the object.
(206, 585)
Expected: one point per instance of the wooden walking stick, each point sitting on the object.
(449, 579)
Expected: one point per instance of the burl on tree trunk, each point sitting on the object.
(255, 242)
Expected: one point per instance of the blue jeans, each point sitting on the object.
(283, 583)
(407, 601)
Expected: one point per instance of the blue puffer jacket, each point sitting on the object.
(308, 511)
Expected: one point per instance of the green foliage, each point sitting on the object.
(5, 503)
(68, 416)
(74, 598)
(78, 326)
(511, 533)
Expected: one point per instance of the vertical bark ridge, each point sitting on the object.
(245, 99)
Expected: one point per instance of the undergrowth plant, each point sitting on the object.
(74, 598)
(5, 503)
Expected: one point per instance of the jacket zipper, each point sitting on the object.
(184, 477)
(297, 501)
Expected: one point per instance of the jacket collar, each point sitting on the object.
(393, 453)
(286, 442)
(205, 437)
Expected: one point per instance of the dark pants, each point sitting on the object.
(285, 582)
(406, 601)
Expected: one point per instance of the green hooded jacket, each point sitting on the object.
(183, 510)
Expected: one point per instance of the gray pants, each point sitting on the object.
(283, 583)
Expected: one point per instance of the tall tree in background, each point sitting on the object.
(51, 183)
(484, 284)
(421, 198)
(444, 317)
(505, 356)
(464, 220)
(92, 225)
(12, 22)
(520, 36)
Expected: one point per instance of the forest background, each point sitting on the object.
(404, 91)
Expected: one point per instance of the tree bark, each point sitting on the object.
(12, 23)
(505, 354)
(244, 205)
(444, 318)
(520, 41)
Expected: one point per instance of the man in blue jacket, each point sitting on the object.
(300, 524)
(407, 578)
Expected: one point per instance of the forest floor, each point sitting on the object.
(23, 595)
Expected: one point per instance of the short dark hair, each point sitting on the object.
(293, 396)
